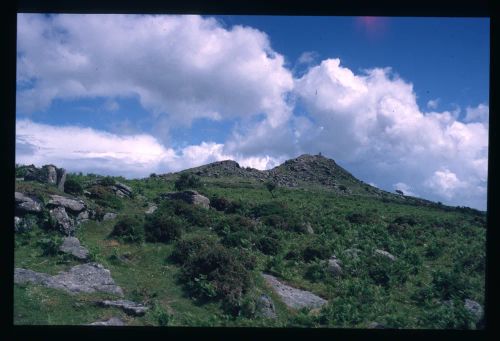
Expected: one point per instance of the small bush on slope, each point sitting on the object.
(129, 228)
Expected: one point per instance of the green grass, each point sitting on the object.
(440, 239)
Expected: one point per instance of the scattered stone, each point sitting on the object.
(385, 254)
(129, 307)
(376, 325)
(309, 228)
(113, 321)
(474, 308)
(109, 216)
(191, 197)
(89, 278)
(292, 297)
(334, 266)
(151, 209)
(24, 224)
(71, 245)
(63, 222)
(74, 205)
(265, 307)
(87, 193)
(25, 204)
(352, 253)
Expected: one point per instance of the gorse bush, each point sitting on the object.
(187, 181)
(186, 248)
(108, 181)
(129, 228)
(50, 245)
(268, 245)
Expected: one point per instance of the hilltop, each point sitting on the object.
(211, 246)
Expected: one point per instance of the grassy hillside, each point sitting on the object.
(201, 267)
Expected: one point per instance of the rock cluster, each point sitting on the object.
(292, 297)
(26, 204)
(112, 321)
(49, 174)
(89, 278)
(122, 190)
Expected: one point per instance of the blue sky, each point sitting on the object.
(400, 102)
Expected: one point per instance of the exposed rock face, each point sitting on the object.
(113, 321)
(191, 197)
(109, 216)
(129, 307)
(51, 174)
(334, 266)
(25, 204)
(71, 245)
(122, 190)
(63, 222)
(265, 307)
(89, 278)
(309, 228)
(385, 254)
(74, 205)
(292, 297)
(474, 308)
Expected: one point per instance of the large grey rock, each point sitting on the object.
(63, 222)
(26, 204)
(474, 308)
(265, 307)
(129, 307)
(113, 321)
(334, 266)
(88, 278)
(308, 228)
(124, 188)
(191, 197)
(73, 205)
(376, 325)
(71, 245)
(385, 254)
(109, 216)
(49, 174)
(292, 297)
(352, 253)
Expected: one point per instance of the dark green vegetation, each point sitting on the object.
(201, 267)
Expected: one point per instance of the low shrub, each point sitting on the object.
(129, 228)
(50, 245)
(316, 272)
(238, 239)
(186, 248)
(450, 284)
(316, 251)
(268, 245)
(362, 218)
(107, 181)
(187, 181)
(161, 227)
(73, 186)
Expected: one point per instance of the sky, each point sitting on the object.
(402, 103)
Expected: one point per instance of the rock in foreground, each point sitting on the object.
(25, 204)
(292, 297)
(113, 321)
(89, 278)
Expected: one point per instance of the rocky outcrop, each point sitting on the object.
(63, 222)
(71, 245)
(26, 204)
(265, 307)
(49, 174)
(73, 205)
(88, 278)
(82, 217)
(292, 297)
(131, 308)
(191, 197)
(385, 254)
(113, 321)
